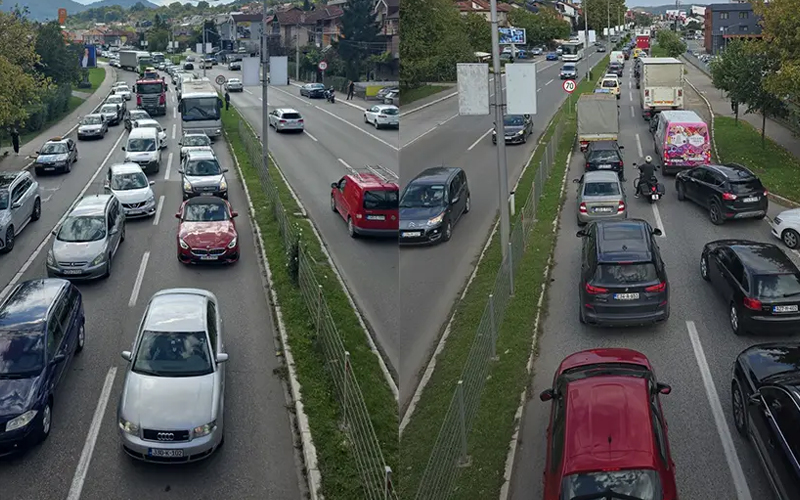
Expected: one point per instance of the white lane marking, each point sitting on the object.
(735, 466)
(27, 264)
(346, 165)
(137, 285)
(91, 439)
(629, 84)
(659, 222)
(174, 113)
(630, 96)
(351, 104)
(420, 136)
(480, 139)
(169, 167)
(248, 91)
(639, 146)
(159, 208)
(549, 82)
(632, 113)
(312, 137)
(174, 129)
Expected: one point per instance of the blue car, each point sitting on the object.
(552, 56)
(41, 329)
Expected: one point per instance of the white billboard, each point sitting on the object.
(473, 88)
(279, 70)
(198, 48)
(250, 69)
(521, 89)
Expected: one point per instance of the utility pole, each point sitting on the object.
(502, 168)
(585, 7)
(203, 62)
(608, 24)
(297, 56)
(264, 89)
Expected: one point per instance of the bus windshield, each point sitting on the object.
(571, 49)
(200, 108)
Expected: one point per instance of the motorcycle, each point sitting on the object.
(330, 96)
(652, 189)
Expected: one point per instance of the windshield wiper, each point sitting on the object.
(609, 494)
(14, 376)
(791, 294)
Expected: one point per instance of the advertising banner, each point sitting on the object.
(89, 57)
(512, 36)
(473, 89)
(250, 67)
(279, 70)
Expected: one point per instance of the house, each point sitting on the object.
(94, 36)
(724, 21)
(387, 13)
(481, 7)
(226, 29)
(246, 31)
(293, 25)
(326, 22)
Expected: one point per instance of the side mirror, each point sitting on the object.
(180, 170)
(581, 233)
(113, 231)
(178, 215)
(576, 181)
(180, 143)
(335, 185)
(224, 170)
(222, 357)
(234, 214)
(152, 183)
(634, 164)
(547, 395)
(454, 200)
(657, 231)
(621, 147)
(106, 187)
(754, 400)
(16, 205)
(127, 355)
(123, 148)
(58, 358)
(663, 388)
(36, 152)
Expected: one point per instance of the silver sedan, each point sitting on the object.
(601, 195)
(20, 203)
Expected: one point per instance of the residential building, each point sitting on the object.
(724, 21)
(326, 22)
(387, 13)
(226, 28)
(291, 25)
(481, 7)
(247, 31)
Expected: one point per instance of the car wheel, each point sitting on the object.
(715, 214)
(448, 231)
(739, 409)
(704, 268)
(467, 204)
(81, 339)
(108, 268)
(122, 236)
(351, 229)
(46, 421)
(735, 320)
(333, 204)
(68, 168)
(365, 118)
(790, 238)
(376, 124)
(680, 190)
(37, 210)
(9, 239)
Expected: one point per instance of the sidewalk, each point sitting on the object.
(62, 128)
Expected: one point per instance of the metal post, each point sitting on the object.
(297, 56)
(498, 126)
(387, 483)
(462, 417)
(608, 24)
(492, 327)
(586, 34)
(510, 267)
(319, 309)
(344, 390)
(264, 91)
(203, 62)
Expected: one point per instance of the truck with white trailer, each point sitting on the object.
(661, 85)
(598, 119)
(131, 59)
(200, 107)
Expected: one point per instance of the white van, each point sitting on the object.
(617, 56)
(144, 148)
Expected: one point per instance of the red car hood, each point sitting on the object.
(207, 234)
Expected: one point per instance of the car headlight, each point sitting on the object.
(183, 244)
(520, 132)
(21, 421)
(150, 200)
(187, 186)
(436, 220)
(98, 260)
(232, 243)
(50, 258)
(204, 430)
(128, 427)
(223, 184)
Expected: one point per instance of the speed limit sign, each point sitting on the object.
(569, 86)
(322, 65)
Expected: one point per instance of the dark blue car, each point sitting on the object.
(431, 205)
(552, 56)
(41, 328)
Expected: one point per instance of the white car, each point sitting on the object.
(786, 227)
(150, 123)
(129, 184)
(283, 119)
(123, 91)
(383, 115)
(194, 141)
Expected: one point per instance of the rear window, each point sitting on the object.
(291, 116)
(600, 189)
(746, 187)
(777, 286)
(643, 484)
(601, 155)
(381, 200)
(625, 274)
(389, 111)
(609, 83)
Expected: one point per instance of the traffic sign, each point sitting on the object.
(322, 65)
(569, 86)
(220, 79)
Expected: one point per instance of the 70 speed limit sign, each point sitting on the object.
(569, 86)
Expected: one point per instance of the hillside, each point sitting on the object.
(47, 10)
(125, 4)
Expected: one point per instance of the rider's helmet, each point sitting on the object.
(648, 159)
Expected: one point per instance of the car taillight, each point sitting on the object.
(766, 192)
(621, 207)
(594, 290)
(283, 121)
(588, 164)
(299, 121)
(582, 208)
(728, 196)
(656, 288)
(138, 100)
(752, 304)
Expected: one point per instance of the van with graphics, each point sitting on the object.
(681, 140)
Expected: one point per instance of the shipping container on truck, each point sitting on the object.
(643, 42)
(661, 85)
(598, 119)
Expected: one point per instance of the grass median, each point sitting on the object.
(407, 96)
(96, 78)
(740, 142)
(340, 476)
(494, 424)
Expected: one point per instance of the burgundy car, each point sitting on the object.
(206, 231)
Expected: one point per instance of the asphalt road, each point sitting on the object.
(697, 442)
(258, 460)
(432, 278)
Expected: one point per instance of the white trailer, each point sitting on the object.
(661, 85)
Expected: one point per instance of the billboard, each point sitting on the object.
(62, 16)
(512, 36)
(521, 89)
(89, 57)
(473, 89)
(278, 70)
(250, 67)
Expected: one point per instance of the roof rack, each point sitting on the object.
(379, 171)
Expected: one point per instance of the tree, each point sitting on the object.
(762, 62)
(211, 33)
(671, 43)
(20, 85)
(359, 36)
(604, 13)
(780, 21)
(479, 32)
(56, 61)
(694, 26)
(642, 19)
(540, 28)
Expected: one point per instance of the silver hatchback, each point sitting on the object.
(172, 403)
(20, 203)
(601, 195)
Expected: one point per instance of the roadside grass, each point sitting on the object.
(494, 424)
(96, 77)
(778, 169)
(26, 137)
(407, 96)
(658, 51)
(340, 475)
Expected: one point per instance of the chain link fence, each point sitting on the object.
(376, 475)
(450, 451)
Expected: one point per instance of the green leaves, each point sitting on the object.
(781, 34)
(540, 28)
(58, 61)
(20, 84)
(359, 35)
(671, 43)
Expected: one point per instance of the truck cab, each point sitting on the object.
(151, 96)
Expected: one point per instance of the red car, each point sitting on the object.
(368, 200)
(206, 231)
(607, 432)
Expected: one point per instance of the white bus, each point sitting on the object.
(200, 108)
(572, 52)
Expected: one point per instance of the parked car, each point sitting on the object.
(383, 115)
(536, 51)
(201, 174)
(93, 125)
(605, 155)
(207, 231)
(786, 227)
(58, 153)
(601, 196)
(367, 200)
(432, 203)
(312, 90)
(382, 93)
(20, 203)
(128, 182)
(516, 129)
(728, 192)
(286, 119)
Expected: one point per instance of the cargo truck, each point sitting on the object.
(129, 59)
(643, 42)
(661, 85)
(598, 119)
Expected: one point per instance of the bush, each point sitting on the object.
(55, 102)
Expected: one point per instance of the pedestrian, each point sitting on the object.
(734, 107)
(227, 100)
(351, 89)
(15, 140)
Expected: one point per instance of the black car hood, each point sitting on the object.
(417, 218)
(512, 129)
(763, 360)
(17, 395)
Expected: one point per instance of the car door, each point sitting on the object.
(18, 210)
(112, 238)
(370, 114)
(55, 343)
(731, 277)
(214, 325)
(28, 197)
(767, 417)
(455, 198)
(786, 453)
(556, 436)
(339, 198)
(693, 182)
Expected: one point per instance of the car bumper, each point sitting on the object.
(424, 236)
(146, 211)
(192, 451)
(148, 167)
(230, 256)
(624, 319)
(771, 325)
(80, 273)
(387, 123)
(211, 132)
(515, 139)
(90, 134)
(235, 89)
(586, 218)
(380, 233)
(751, 213)
(286, 126)
(19, 439)
(49, 167)
(194, 194)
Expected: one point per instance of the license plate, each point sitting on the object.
(208, 257)
(135, 212)
(412, 234)
(376, 217)
(751, 199)
(604, 166)
(784, 309)
(155, 452)
(626, 296)
(655, 196)
(72, 271)
(208, 193)
(49, 168)
(602, 209)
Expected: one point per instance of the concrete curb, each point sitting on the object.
(428, 105)
(309, 450)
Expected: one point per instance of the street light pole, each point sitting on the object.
(203, 62)
(502, 169)
(264, 90)
(586, 33)
(608, 24)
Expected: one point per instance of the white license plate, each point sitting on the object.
(72, 271)
(604, 166)
(751, 199)
(626, 296)
(208, 257)
(135, 212)
(412, 234)
(376, 217)
(155, 452)
(655, 196)
(49, 168)
(784, 309)
(207, 193)
(602, 209)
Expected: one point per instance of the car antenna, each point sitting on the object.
(609, 444)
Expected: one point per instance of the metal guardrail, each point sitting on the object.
(376, 475)
(451, 449)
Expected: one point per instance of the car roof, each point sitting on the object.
(604, 355)
(435, 175)
(200, 154)
(761, 258)
(287, 110)
(682, 115)
(386, 106)
(734, 171)
(92, 204)
(108, 104)
(620, 241)
(369, 180)
(142, 133)
(29, 302)
(143, 112)
(205, 200)
(6, 178)
(177, 310)
(195, 133)
(771, 358)
(603, 145)
(125, 168)
(147, 121)
(600, 176)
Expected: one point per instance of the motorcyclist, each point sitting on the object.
(331, 93)
(647, 174)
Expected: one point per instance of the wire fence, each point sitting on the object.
(451, 449)
(363, 442)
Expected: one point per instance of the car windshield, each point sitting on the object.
(600, 189)
(625, 274)
(205, 212)
(4, 199)
(513, 120)
(149, 88)
(603, 155)
(141, 145)
(92, 120)
(777, 286)
(202, 167)
(568, 67)
(315, 86)
(54, 148)
(609, 83)
(114, 99)
(111, 108)
(638, 483)
(746, 187)
(196, 140)
(82, 229)
(380, 200)
(125, 182)
(173, 354)
(121, 88)
(234, 80)
(21, 352)
(423, 195)
(200, 108)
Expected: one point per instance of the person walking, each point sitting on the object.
(15, 140)
(227, 100)
(351, 90)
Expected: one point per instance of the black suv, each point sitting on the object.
(615, 68)
(759, 283)
(623, 278)
(605, 155)
(765, 394)
(727, 191)
(431, 204)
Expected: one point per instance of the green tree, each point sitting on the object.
(56, 60)
(671, 43)
(780, 31)
(359, 36)
(211, 33)
(759, 98)
(602, 13)
(479, 32)
(642, 19)
(694, 26)
(727, 71)
(541, 28)
(20, 84)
